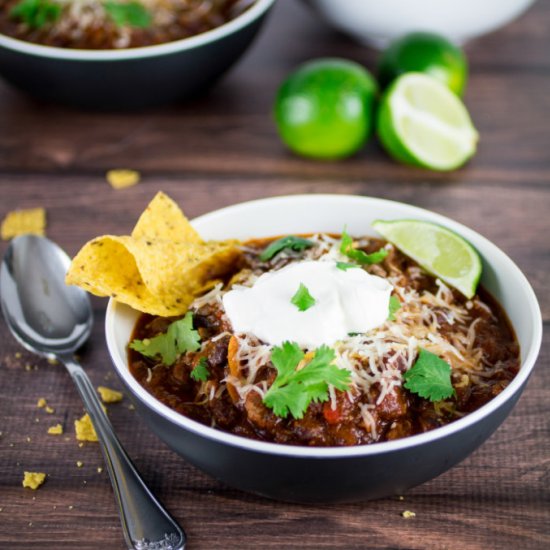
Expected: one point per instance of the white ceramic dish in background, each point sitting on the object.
(315, 474)
(377, 22)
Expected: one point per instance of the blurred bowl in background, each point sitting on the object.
(377, 22)
(134, 77)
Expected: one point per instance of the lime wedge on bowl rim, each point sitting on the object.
(421, 122)
(437, 249)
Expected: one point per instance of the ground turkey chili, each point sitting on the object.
(113, 24)
(472, 336)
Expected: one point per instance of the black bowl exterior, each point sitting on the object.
(127, 83)
(325, 480)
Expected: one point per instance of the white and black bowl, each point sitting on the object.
(315, 474)
(134, 77)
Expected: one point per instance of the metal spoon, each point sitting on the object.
(53, 320)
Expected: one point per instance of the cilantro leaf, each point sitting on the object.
(200, 372)
(179, 338)
(429, 377)
(394, 307)
(294, 390)
(285, 358)
(346, 248)
(36, 13)
(321, 370)
(344, 266)
(294, 243)
(131, 14)
(303, 300)
(289, 398)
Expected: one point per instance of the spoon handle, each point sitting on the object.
(145, 523)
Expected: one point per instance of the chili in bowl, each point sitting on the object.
(229, 406)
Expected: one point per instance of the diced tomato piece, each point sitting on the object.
(332, 416)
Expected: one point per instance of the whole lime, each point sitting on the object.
(325, 109)
(425, 53)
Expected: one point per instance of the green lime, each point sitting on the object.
(325, 108)
(428, 53)
(421, 122)
(438, 250)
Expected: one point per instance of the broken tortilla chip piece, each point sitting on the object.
(33, 480)
(120, 179)
(108, 395)
(23, 222)
(159, 269)
(84, 429)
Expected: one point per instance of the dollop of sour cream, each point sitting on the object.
(346, 301)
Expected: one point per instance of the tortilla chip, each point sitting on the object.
(23, 222)
(159, 269)
(152, 276)
(120, 179)
(163, 219)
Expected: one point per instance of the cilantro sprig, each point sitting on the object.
(429, 377)
(178, 338)
(394, 307)
(361, 257)
(298, 244)
(128, 14)
(200, 372)
(294, 390)
(303, 300)
(36, 13)
(344, 266)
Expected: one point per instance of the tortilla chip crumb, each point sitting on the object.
(28, 439)
(84, 429)
(55, 430)
(41, 403)
(18, 355)
(71, 507)
(79, 463)
(33, 480)
(49, 409)
(52, 361)
(23, 222)
(120, 179)
(407, 514)
(131, 407)
(108, 395)
(99, 469)
(400, 497)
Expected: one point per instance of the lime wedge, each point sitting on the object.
(421, 122)
(438, 250)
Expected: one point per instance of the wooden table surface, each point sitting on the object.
(223, 149)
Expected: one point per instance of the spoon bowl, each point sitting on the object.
(45, 316)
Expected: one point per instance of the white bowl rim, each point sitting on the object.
(255, 11)
(527, 361)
